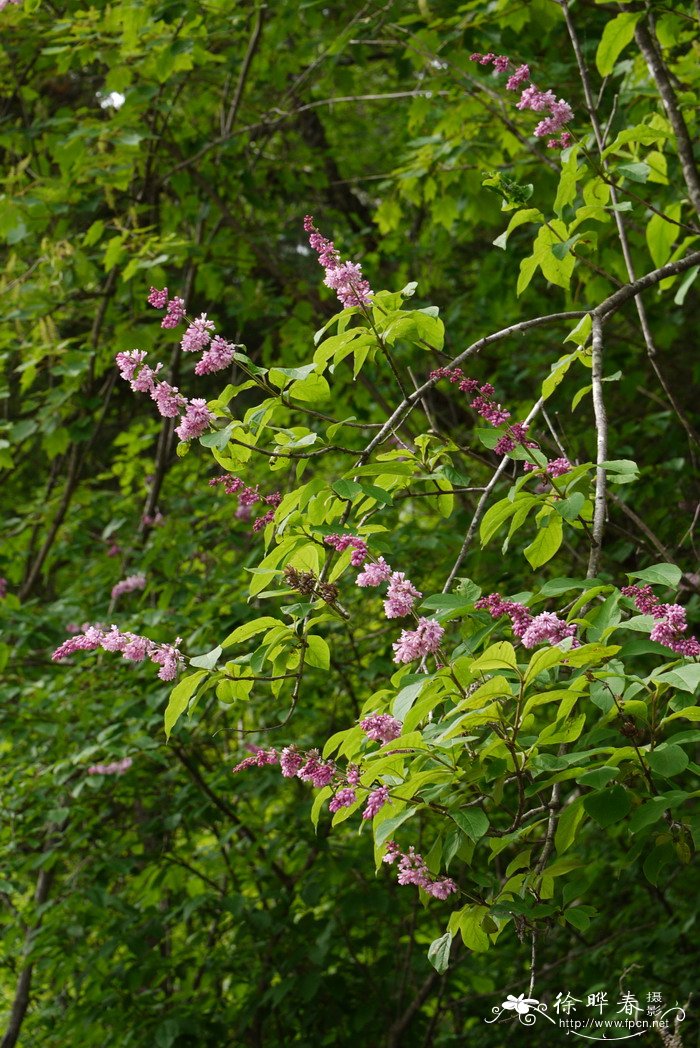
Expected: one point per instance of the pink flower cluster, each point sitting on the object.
(114, 768)
(416, 644)
(483, 404)
(3, 588)
(247, 497)
(218, 353)
(531, 630)
(5, 3)
(133, 648)
(345, 278)
(343, 542)
(671, 624)
(560, 112)
(555, 468)
(128, 585)
(168, 399)
(400, 599)
(413, 870)
(310, 768)
(381, 727)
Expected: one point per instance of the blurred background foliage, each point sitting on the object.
(171, 143)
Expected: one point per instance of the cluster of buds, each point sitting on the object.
(306, 583)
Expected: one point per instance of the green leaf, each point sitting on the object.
(661, 235)
(497, 656)
(472, 821)
(208, 661)
(567, 825)
(580, 333)
(566, 192)
(179, 698)
(470, 926)
(668, 760)
(616, 36)
(634, 172)
(318, 653)
(530, 214)
(684, 678)
(498, 514)
(439, 953)
(607, 806)
(346, 489)
(662, 574)
(569, 508)
(546, 542)
(250, 629)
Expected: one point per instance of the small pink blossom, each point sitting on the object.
(158, 299)
(217, 357)
(374, 574)
(318, 773)
(416, 644)
(381, 727)
(197, 335)
(342, 542)
(345, 278)
(401, 596)
(376, 800)
(197, 420)
(521, 74)
(168, 400)
(344, 798)
(260, 759)
(290, 762)
(548, 627)
(128, 585)
(175, 313)
(115, 768)
(412, 869)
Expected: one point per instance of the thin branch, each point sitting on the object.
(647, 45)
(601, 426)
(243, 75)
(481, 507)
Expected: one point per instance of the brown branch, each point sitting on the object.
(646, 43)
(245, 68)
(601, 426)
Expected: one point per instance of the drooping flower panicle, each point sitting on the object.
(113, 768)
(484, 405)
(128, 585)
(133, 648)
(416, 644)
(412, 869)
(671, 621)
(345, 278)
(560, 112)
(531, 630)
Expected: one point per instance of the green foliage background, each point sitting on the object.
(177, 905)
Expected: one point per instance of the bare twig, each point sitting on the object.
(601, 426)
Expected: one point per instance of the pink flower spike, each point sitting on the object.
(128, 585)
(344, 798)
(175, 313)
(197, 420)
(416, 644)
(376, 800)
(158, 299)
(381, 727)
(401, 596)
(521, 74)
(374, 574)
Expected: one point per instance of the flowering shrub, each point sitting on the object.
(424, 558)
(459, 702)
